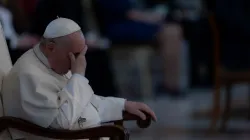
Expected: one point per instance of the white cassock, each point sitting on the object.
(34, 92)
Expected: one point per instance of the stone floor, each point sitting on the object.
(175, 120)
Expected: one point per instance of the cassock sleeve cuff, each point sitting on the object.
(78, 90)
(82, 78)
(119, 108)
(73, 84)
(121, 102)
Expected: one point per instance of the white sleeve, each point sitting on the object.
(109, 108)
(79, 93)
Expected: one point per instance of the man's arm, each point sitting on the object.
(109, 108)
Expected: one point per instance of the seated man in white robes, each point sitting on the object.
(47, 85)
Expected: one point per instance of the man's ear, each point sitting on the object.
(51, 46)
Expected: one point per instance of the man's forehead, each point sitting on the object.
(78, 35)
(79, 47)
(77, 42)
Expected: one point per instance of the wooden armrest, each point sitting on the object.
(91, 133)
(130, 117)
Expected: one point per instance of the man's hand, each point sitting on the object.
(78, 63)
(137, 109)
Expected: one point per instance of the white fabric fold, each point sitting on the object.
(78, 94)
(98, 109)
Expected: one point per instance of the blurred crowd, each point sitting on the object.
(163, 24)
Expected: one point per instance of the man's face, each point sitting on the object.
(59, 57)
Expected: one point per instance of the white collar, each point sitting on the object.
(39, 54)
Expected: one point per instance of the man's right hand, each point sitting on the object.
(78, 63)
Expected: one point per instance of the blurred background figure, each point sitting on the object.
(168, 23)
(17, 40)
(132, 21)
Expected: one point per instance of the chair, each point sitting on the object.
(115, 132)
(223, 77)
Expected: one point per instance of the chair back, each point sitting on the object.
(5, 63)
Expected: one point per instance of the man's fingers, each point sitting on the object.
(85, 49)
(141, 115)
(153, 115)
(83, 52)
(149, 111)
(72, 57)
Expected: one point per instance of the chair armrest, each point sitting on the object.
(130, 117)
(91, 133)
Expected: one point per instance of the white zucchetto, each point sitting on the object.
(60, 27)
